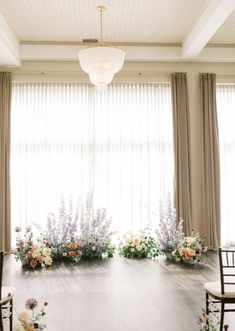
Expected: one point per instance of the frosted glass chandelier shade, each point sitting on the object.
(101, 63)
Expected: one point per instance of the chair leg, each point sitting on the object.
(11, 315)
(1, 321)
(222, 317)
(207, 303)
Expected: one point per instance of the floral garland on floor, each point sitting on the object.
(86, 233)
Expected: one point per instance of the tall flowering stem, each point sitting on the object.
(95, 233)
(170, 231)
(61, 232)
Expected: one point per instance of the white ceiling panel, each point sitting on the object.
(136, 21)
(226, 34)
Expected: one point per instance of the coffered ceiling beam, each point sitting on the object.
(211, 19)
(9, 45)
(133, 53)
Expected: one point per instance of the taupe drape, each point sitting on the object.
(182, 180)
(5, 212)
(210, 160)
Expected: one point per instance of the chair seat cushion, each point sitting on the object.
(7, 292)
(215, 289)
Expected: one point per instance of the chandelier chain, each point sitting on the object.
(101, 9)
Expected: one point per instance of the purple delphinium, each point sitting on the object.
(170, 232)
(95, 230)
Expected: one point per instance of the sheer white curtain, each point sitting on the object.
(68, 138)
(226, 121)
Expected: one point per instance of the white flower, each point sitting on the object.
(48, 260)
(139, 248)
(46, 251)
(132, 250)
(93, 248)
(104, 255)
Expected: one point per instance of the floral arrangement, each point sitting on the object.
(30, 320)
(73, 251)
(189, 250)
(172, 241)
(141, 246)
(30, 253)
(170, 231)
(61, 231)
(205, 323)
(70, 235)
(95, 233)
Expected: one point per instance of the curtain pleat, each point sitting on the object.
(182, 177)
(70, 139)
(5, 127)
(211, 160)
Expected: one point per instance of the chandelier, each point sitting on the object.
(101, 61)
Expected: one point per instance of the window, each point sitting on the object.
(68, 138)
(226, 120)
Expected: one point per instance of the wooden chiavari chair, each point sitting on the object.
(6, 300)
(222, 293)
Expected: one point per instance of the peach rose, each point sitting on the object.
(41, 259)
(33, 263)
(80, 244)
(72, 246)
(136, 241)
(79, 252)
(72, 253)
(28, 254)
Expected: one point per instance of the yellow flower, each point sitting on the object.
(23, 317)
(29, 328)
(46, 251)
(35, 253)
(48, 260)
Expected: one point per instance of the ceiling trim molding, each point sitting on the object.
(79, 43)
(133, 53)
(211, 19)
(9, 45)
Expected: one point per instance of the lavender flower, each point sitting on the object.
(31, 304)
(95, 230)
(170, 232)
(18, 229)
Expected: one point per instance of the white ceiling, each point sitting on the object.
(148, 30)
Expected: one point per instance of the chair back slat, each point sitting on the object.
(227, 268)
(227, 259)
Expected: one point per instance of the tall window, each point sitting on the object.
(71, 139)
(226, 120)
